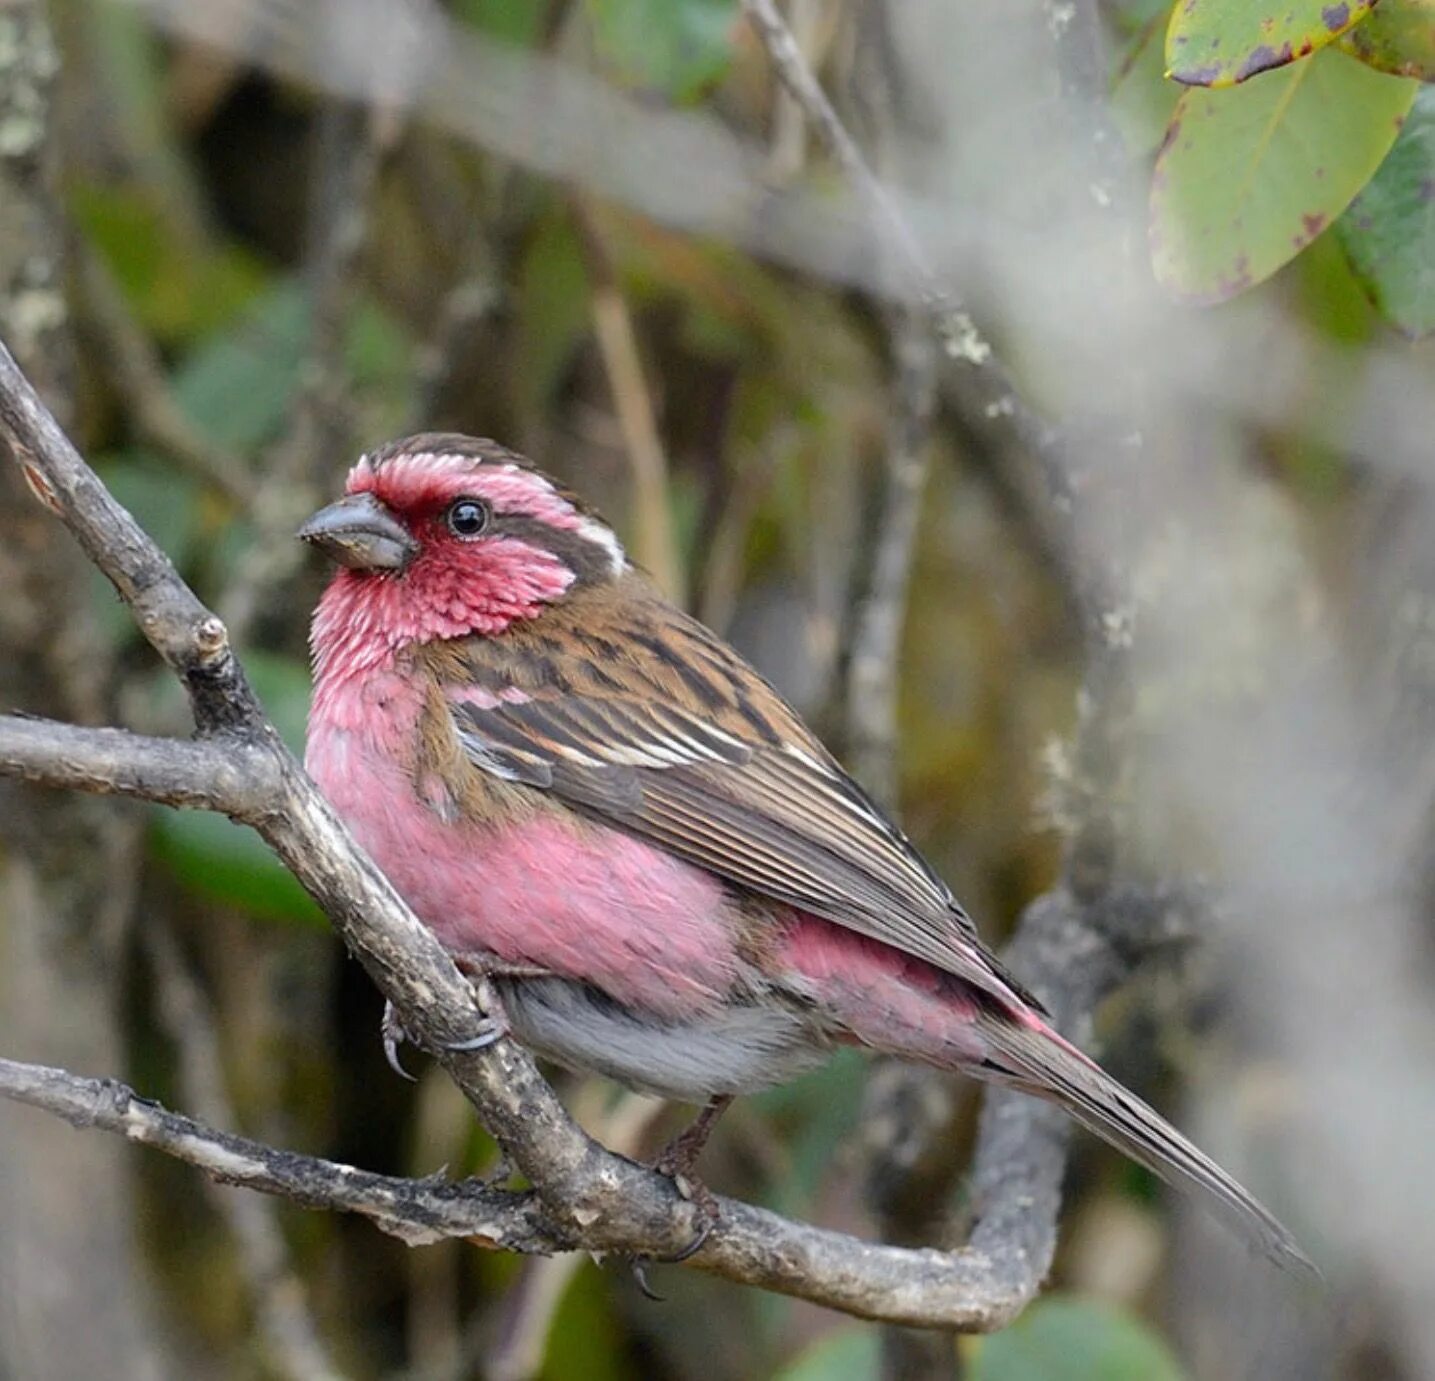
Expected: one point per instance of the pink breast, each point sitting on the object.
(579, 899)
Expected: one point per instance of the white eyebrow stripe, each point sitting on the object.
(603, 536)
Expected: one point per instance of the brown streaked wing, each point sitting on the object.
(735, 783)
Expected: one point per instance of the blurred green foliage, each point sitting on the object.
(1060, 1338)
(677, 49)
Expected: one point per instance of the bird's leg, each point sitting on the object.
(678, 1157)
(494, 1026)
(676, 1161)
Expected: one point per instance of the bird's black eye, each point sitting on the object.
(467, 517)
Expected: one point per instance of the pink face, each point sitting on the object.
(457, 539)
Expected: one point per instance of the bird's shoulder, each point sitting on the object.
(625, 642)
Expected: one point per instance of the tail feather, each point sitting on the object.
(1038, 1061)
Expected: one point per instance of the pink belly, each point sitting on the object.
(579, 899)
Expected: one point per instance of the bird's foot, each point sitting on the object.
(677, 1158)
(676, 1161)
(707, 1214)
(483, 969)
(493, 1026)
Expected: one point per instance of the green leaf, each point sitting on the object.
(1073, 1339)
(846, 1354)
(678, 47)
(175, 294)
(1141, 97)
(1389, 232)
(1222, 42)
(519, 24)
(1248, 177)
(237, 386)
(1397, 37)
(229, 862)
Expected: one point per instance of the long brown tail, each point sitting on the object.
(1040, 1062)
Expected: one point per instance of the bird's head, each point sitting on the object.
(446, 536)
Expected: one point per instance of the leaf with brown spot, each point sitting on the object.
(1220, 43)
(1397, 37)
(1248, 177)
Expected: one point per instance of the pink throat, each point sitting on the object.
(364, 620)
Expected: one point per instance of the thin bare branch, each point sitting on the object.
(175, 772)
(415, 1211)
(656, 545)
(994, 391)
(921, 283)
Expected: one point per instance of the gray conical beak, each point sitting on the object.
(359, 532)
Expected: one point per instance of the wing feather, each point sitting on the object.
(735, 783)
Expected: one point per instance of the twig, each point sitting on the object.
(588, 1197)
(279, 1298)
(415, 1211)
(122, 347)
(994, 391)
(789, 120)
(921, 280)
(872, 670)
(656, 545)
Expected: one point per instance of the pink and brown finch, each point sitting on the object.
(600, 808)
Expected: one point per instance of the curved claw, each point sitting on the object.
(490, 1032)
(700, 1240)
(394, 1035)
(493, 1027)
(639, 1267)
(707, 1208)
